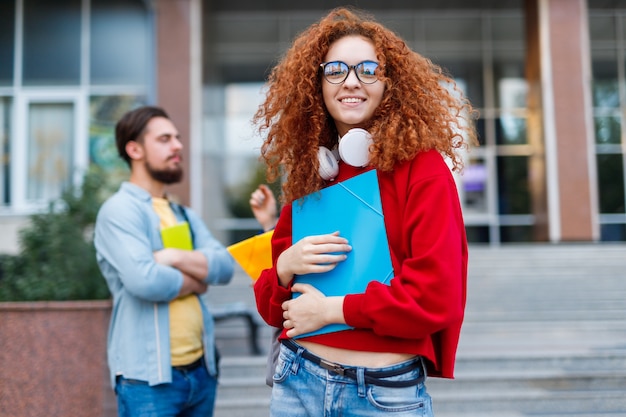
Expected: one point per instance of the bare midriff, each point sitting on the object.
(355, 357)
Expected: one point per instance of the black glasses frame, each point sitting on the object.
(350, 68)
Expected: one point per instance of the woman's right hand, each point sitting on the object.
(312, 254)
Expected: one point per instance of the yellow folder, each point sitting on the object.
(253, 254)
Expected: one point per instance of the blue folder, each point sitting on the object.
(353, 208)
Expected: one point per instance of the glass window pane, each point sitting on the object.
(7, 41)
(243, 144)
(512, 91)
(611, 183)
(474, 180)
(602, 28)
(477, 234)
(613, 232)
(104, 112)
(508, 28)
(246, 28)
(402, 25)
(453, 29)
(50, 149)
(5, 150)
(120, 45)
(510, 234)
(511, 130)
(51, 42)
(510, 85)
(607, 129)
(513, 193)
(467, 73)
(480, 131)
(297, 25)
(605, 85)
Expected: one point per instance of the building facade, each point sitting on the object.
(546, 76)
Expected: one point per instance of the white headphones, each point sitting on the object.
(353, 150)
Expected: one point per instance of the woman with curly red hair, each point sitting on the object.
(349, 76)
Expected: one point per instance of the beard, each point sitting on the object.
(166, 176)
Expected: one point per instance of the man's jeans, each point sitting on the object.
(191, 394)
(302, 388)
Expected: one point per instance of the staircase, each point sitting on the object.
(544, 336)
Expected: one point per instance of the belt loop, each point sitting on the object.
(296, 361)
(424, 373)
(360, 381)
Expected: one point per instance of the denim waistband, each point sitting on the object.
(373, 377)
(191, 366)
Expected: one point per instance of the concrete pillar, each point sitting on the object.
(537, 182)
(565, 78)
(179, 81)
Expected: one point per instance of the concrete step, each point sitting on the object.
(533, 401)
(495, 404)
(500, 413)
(243, 407)
(481, 381)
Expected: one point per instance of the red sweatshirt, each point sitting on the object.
(422, 308)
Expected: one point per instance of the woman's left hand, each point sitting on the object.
(310, 311)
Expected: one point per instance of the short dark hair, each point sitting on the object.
(132, 126)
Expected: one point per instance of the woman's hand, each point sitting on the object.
(263, 205)
(310, 311)
(312, 254)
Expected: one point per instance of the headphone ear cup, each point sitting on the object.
(354, 147)
(329, 168)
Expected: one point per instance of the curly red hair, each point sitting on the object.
(419, 111)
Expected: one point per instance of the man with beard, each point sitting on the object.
(158, 258)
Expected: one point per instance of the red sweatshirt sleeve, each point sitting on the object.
(428, 246)
(269, 294)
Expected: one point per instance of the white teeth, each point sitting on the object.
(351, 100)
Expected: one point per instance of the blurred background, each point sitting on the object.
(547, 76)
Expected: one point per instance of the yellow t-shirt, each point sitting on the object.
(185, 312)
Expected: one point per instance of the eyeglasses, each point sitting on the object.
(337, 72)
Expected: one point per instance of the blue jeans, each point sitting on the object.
(302, 388)
(190, 394)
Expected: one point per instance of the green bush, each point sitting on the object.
(57, 259)
(239, 201)
(239, 196)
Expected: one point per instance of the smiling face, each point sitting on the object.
(351, 104)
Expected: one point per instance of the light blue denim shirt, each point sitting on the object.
(127, 233)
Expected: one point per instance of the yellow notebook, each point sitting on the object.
(178, 236)
(253, 254)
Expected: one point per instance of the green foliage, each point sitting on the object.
(239, 201)
(57, 260)
(239, 197)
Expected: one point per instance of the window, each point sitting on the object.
(83, 64)
(104, 112)
(52, 41)
(120, 46)
(7, 42)
(608, 50)
(49, 146)
(5, 149)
